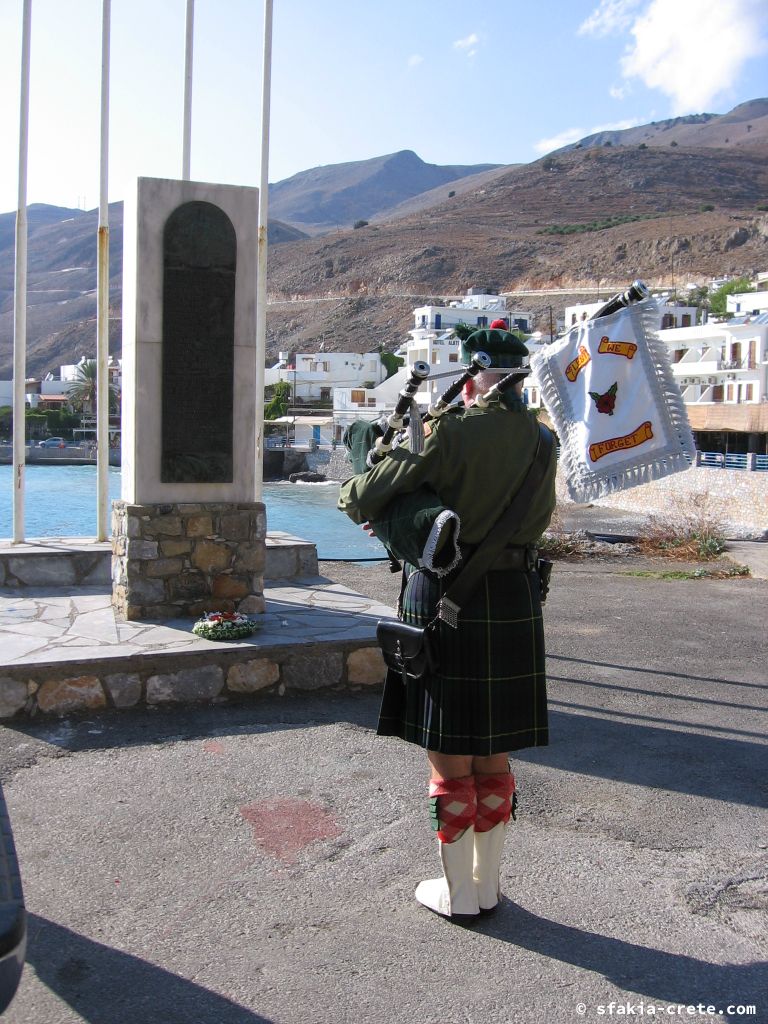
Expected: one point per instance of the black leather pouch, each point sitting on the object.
(407, 650)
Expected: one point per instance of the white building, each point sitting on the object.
(350, 404)
(477, 308)
(744, 303)
(313, 376)
(722, 370)
(671, 314)
(431, 341)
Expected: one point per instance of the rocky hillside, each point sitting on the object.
(326, 198)
(745, 125)
(567, 218)
(61, 312)
(573, 222)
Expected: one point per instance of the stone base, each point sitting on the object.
(178, 560)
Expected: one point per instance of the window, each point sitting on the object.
(686, 319)
(438, 321)
(729, 392)
(667, 321)
(358, 396)
(748, 392)
(453, 357)
(482, 321)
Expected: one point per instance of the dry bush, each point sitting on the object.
(693, 535)
(556, 543)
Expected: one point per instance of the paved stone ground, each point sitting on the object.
(256, 862)
(45, 626)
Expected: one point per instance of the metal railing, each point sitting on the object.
(732, 460)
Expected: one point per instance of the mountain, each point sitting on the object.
(745, 125)
(580, 219)
(61, 283)
(325, 198)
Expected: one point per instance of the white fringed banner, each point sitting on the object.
(614, 403)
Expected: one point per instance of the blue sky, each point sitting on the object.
(492, 81)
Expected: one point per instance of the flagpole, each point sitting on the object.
(261, 270)
(20, 290)
(102, 293)
(186, 158)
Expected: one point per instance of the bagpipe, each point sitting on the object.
(417, 527)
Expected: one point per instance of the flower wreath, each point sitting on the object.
(224, 626)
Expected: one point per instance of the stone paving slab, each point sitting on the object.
(66, 652)
(39, 626)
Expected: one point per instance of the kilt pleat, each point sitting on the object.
(488, 695)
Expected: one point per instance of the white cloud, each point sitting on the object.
(694, 50)
(468, 43)
(565, 138)
(557, 141)
(619, 92)
(611, 16)
(616, 126)
(414, 60)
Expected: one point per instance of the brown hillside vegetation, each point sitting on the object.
(503, 236)
(575, 221)
(494, 236)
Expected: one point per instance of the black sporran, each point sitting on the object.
(408, 650)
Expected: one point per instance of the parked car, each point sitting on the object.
(13, 917)
(52, 442)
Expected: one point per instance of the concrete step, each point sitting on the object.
(68, 562)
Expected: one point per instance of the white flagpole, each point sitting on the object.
(20, 291)
(261, 271)
(102, 292)
(186, 148)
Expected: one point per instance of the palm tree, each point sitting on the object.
(82, 393)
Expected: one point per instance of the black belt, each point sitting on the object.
(515, 558)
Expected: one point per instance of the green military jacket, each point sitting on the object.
(475, 463)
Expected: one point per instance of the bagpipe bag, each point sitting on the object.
(416, 527)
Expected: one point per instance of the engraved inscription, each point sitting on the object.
(199, 264)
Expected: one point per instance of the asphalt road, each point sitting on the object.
(240, 864)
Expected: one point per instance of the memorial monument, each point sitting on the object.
(187, 535)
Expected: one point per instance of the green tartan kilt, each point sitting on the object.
(488, 695)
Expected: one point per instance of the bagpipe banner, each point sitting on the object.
(614, 403)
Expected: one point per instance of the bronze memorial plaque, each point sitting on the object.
(199, 262)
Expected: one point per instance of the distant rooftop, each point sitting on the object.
(746, 318)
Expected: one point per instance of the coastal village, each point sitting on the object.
(208, 813)
(720, 364)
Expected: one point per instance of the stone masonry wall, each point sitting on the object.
(183, 559)
(210, 678)
(736, 498)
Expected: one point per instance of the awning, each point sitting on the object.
(747, 417)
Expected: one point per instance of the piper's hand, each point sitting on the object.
(368, 529)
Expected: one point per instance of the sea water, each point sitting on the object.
(60, 501)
